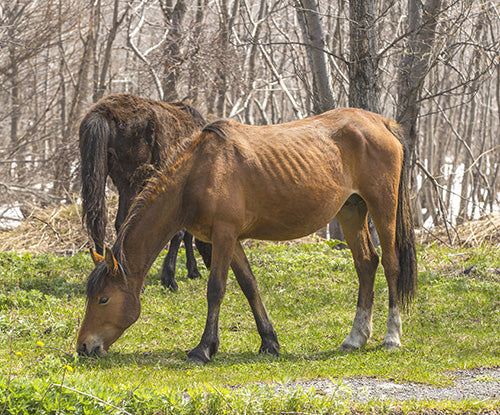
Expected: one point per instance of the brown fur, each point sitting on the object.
(277, 182)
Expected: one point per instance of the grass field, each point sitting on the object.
(310, 292)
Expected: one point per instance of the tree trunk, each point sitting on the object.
(106, 60)
(173, 16)
(414, 65)
(312, 31)
(363, 66)
(226, 22)
(64, 157)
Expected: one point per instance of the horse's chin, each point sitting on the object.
(100, 351)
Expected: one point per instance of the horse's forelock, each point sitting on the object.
(99, 276)
(97, 280)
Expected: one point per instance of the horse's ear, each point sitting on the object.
(96, 257)
(111, 262)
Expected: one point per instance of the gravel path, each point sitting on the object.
(477, 384)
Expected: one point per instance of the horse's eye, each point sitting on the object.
(103, 300)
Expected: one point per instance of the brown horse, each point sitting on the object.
(276, 182)
(129, 138)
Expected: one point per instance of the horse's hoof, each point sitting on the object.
(354, 341)
(272, 348)
(172, 286)
(194, 275)
(392, 345)
(347, 346)
(198, 356)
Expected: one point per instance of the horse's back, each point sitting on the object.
(338, 145)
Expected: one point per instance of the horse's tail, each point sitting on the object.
(405, 229)
(94, 136)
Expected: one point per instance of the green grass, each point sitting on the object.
(310, 292)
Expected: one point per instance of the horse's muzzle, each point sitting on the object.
(91, 350)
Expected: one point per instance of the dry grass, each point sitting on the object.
(55, 230)
(485, 231)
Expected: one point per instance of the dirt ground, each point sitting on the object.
(481, 384)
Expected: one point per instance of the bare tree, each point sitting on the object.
(363, 64)
(312, 30)
(415, 63)
(174, 15)
(101, 71)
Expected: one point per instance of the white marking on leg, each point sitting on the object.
(394, 329)
(360, 332)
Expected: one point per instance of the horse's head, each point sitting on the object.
(113, 305)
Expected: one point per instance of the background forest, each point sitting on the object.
(432, 65)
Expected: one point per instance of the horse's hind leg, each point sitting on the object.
(248, 284)
(383, 211)
(192, 268)
(353, 219)
(205, 250)
(168, 271)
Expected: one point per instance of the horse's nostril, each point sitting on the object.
(82, 349)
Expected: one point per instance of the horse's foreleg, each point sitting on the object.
(168, 271)
(192, 268)
(248, 284)
(223, 248)
(352, 217)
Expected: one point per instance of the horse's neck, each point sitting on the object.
(155, 224)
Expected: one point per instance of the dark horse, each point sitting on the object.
(129, 138)
(277, 182)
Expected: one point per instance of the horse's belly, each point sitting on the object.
(273, 231)
(292, 216)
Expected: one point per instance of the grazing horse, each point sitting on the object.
(277, 182)
(128, 138)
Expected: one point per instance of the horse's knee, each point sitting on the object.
(216, 288)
